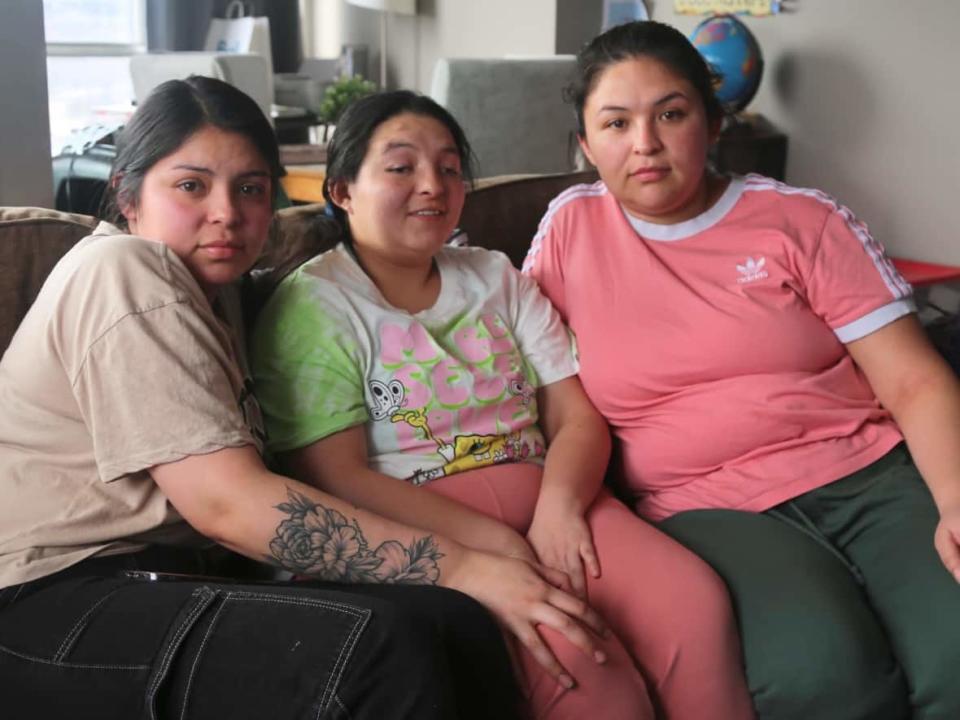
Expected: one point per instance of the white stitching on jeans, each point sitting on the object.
(196, 660)
(362, 617)
(341, 664)
(74, 633)
(78, 666)
(282, 599)
(187, 623)
(339, 703)
(335, 676)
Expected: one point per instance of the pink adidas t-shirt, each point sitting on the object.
(715, 346)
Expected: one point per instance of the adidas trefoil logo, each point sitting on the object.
(752, 270)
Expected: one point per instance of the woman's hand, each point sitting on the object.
(522, 596)
(946, 539)
(562, 541)
(517, 547)
(578, 447)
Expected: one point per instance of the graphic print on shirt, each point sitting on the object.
(462, 407)
(388, 398)
(752, 270)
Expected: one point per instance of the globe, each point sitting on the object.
(733, 53)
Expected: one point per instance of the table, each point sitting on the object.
(304, 183)
(922, 274)
(292, 125)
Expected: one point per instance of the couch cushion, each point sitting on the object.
(32, 240)
(504, 215)
(500, 213)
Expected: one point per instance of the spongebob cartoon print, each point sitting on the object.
(462, 452)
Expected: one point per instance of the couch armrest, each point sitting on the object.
(32, 240)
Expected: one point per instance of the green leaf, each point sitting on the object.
(339, 95)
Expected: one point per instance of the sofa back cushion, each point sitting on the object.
(503, 213)
(32, 240)
(500, 213)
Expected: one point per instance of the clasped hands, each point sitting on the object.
(542, 581)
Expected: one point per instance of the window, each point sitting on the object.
(89, 44)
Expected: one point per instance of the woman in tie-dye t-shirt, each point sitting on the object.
(435, 384)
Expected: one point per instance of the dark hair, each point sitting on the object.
(357, 124)
(645, 38)
(174, 111)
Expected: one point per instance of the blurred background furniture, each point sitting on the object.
(385, 7)
(749, 143)
(80, 178)
(512, 110)
(247, 71)
(181, 25)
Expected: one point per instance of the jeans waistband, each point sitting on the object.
(157, 558)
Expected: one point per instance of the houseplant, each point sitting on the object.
(338, 96)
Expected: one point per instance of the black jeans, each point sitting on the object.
(89, 643)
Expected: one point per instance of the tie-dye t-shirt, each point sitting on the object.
(440, 391)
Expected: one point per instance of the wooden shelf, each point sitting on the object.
(304, 183)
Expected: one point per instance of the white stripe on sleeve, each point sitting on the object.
(873, 321)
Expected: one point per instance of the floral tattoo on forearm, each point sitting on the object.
(320, 541)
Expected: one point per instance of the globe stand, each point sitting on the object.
(749, 143)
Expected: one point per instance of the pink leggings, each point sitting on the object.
(676, 648)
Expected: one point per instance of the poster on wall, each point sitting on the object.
(617, 12)
(756, 8)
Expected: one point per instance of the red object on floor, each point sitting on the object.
(921, 274)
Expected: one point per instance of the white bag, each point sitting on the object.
(240, 32)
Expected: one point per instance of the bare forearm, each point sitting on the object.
(576, 462)
(912, 381)
(929, 417)
(235, 501)
(400, 501)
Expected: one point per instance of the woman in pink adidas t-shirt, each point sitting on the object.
(769, 387)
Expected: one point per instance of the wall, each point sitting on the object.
(25, 170)
(577, 22)
(450, 28)
(867, 92)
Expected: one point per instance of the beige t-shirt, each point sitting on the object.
(121, 364)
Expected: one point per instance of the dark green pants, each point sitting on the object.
(844, 608)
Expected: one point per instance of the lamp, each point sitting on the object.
(401, 7)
